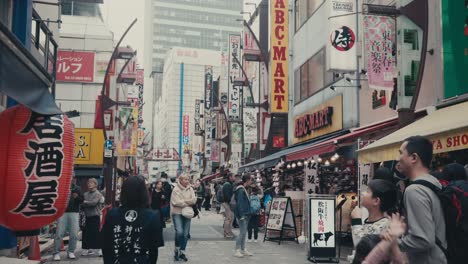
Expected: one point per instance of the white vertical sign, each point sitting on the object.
(234, 93)
(342, 46)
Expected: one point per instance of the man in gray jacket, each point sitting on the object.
(423, 209)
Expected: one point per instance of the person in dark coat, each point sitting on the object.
(242, 213)
(132, 233)
(158, 199)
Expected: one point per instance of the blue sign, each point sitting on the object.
(108, 144)
(185, 140)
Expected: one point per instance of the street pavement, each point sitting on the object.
(208, 246)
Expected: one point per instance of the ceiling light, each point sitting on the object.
(327, 163)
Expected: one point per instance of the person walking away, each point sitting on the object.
(425, 238)
(255, 209)
(132, 233)
(158, 199)
(167, 187)
(207, 203)
(200, 193)
(69, 222)
(92, 205)
(242, 213)
(228, 190)
(182, 199)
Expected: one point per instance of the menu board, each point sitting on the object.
(278, 208)
(322, 241)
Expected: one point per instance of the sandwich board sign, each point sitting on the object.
(281, 218)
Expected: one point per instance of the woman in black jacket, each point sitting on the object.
(158, 199)
(132, 233)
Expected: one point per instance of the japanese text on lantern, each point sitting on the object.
(279, 56)
(45, 157)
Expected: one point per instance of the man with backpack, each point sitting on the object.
(224, 199)
(425, 240)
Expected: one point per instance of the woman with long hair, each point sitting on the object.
(158, 199)
(132, 233)
(182, 199)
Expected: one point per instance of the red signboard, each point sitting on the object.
(278, 142)
(75, 66)
(186, 126)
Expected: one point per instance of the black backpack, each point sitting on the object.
(220, 195)
(454, 199)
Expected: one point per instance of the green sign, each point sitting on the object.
(455, 47)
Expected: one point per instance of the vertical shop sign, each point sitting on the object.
(236, 137)
(75, 66)
(379, 35)
(341, 47)
(234, 93)
(197, 130)
(207, 118)
(279, 56)
(208, 86)
(250, 125)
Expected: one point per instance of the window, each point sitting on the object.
(311, 77)
(5, 12)
(305, 9)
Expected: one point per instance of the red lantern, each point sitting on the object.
(36, 164)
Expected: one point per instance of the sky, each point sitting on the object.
(119, 14)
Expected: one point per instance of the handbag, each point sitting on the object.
(188, 212)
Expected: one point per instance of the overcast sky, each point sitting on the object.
(118, 14)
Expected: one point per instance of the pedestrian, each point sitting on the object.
(426, 237)
(92, 206)
(377, 249)
(207, 203)
(158, 199)
(167, 187)
(200, 191)
(242, 213)
(255, 209)
(228, 190)
(132, 233)
(454, 172)
(182, 200)
(69, 222)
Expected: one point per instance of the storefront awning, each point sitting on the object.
(446, 127)
(22, 77)
(273, 159)
(88, 172)
(333, 144)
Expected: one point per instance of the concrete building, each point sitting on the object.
(184, 82)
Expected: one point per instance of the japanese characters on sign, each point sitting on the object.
(165, 155)
(208, 86)
(207, 118)
(234, 92)
(279, 56)
(311, 179)
(197, 117)
(379, 36)
(278, 208)
(341, 50)
(75, 66)
(322, 222)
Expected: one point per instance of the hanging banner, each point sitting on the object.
(185, 127)
(128, 131)
(236, 138)
(208, 86)
(279, 56)
(379, 41)
(234, 52)
(341, 48)
(197, 117)
(250, 125)
(234, 103)
(207, 118)
(311, 179)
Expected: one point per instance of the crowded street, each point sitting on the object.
(233, 131)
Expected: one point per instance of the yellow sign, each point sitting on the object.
(89, 146)
(279, 57)
(321, 120)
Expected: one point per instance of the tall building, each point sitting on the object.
(184, 82)
(200, 24)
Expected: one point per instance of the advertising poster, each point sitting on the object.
(279, 56)
(128, 131)
(341, 49)
(236, 137)
(322, 222)
(250, 125)
(379, 46)
(75, 66)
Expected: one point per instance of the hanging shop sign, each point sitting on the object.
(208, 86)
(207, 118)
(75, 66)
(89, 146)
(321, 120)
(279, 56)
(234, 53)
(281, 218)
(236, 137)
(36, 165)
(341, 47)
(234, 104)
(165, 154)
(250, 125)
(185, 125)
(128, 131)
(198, 130)
(311, 179)
(380, 49)
(322, 235)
